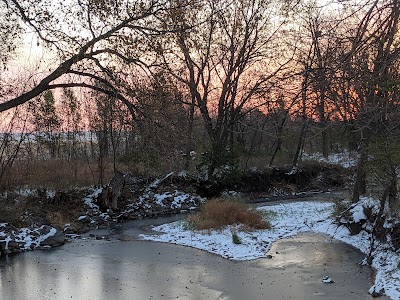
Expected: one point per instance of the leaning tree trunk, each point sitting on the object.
(279, 140)
(300, 143)
(304, 86)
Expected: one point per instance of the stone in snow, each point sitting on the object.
(327, 279)
(57, 239)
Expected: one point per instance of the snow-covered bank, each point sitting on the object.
(148, 205)
(17, 240)
(40, 234)
(345, 159)
(287, 219)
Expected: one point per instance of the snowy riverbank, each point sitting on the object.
(287, 219)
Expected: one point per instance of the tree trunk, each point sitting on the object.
(360, 185)
(190, 134)
(392, 188)
(300, 143)
(325, 142)
(304, 117)
(215, 158)
(278, 140)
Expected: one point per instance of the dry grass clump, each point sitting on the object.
(219, 213)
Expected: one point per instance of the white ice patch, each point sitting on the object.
(6, 240)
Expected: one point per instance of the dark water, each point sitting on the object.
(134, 269)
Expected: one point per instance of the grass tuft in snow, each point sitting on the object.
(221, 212)
(235, 238)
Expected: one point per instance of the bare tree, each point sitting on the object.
(10, 30)
(11, 139)
(221, 59)
(46, 123)
(88, 37)
(321, 30)
(370, 65)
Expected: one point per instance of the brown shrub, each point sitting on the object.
(218, 213)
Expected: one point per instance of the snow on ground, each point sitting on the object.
(287, 220)
(89, 199)
(177, 199)
(28, 238)
(345, 159)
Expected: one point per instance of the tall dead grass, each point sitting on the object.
(221, 212)
(53, 174)
(58, 173)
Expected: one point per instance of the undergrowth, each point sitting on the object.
(37, 208)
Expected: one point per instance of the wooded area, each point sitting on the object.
(169, 85)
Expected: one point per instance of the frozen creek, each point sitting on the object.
(121, 266)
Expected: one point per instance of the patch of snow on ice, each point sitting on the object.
(41, 238)
(28, 237)
(6, 240)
